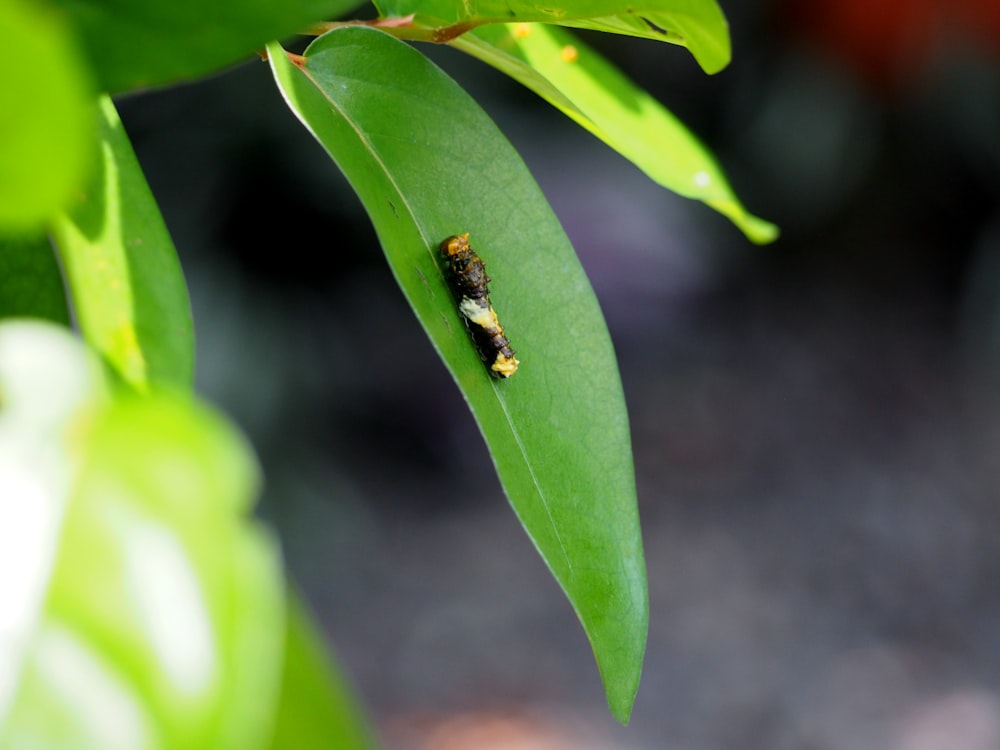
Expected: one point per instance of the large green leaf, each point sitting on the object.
(427, 163)
(696, 24)
(148, 608)
(46, 117)
(30, 282)
(124, 279)
(139, 44)
(577, 80)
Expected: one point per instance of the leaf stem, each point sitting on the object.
(401, 27)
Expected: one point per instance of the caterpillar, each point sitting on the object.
(468, 279)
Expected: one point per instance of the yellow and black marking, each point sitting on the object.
(469, 282)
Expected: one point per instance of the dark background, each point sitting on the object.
(815, 422)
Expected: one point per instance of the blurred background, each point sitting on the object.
(815, 422)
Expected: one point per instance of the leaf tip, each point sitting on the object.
(757, 230)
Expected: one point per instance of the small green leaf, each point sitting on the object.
(576, 79)
(47, 120)
(696, 24)
(150, 607)
(30, 282)
(316, 710)
(124, 278)
(427, 163)
(140, 44)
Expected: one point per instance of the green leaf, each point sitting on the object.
(573, 77)
(316, 711)
(153, 613)
(696, 24)
(30, 281)
(47, 121)
(139, 44)
(124, 278)
(428, 163)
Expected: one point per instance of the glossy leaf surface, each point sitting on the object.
(428, 163)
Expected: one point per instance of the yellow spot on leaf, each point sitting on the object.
(124, 351)
(569, 53)
(522, 30)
